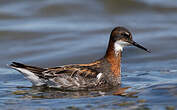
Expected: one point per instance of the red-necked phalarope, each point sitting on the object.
(105, 72)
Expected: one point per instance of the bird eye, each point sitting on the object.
(125, 34)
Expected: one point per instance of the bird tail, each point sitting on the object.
(34, 74)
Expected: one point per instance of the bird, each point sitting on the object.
(102, 73)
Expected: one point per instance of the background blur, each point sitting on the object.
(57, 32)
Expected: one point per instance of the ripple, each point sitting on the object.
(52, 33)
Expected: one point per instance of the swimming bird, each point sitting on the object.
(102, 73)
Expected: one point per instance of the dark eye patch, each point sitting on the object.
(125, 34)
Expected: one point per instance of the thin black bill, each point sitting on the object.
(139, 46)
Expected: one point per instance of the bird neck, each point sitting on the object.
(113, 56)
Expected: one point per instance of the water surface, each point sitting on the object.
(51, 33)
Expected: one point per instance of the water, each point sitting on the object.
(51, 33)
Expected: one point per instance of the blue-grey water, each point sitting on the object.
(56, 32)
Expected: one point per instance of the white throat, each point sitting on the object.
(118, 46)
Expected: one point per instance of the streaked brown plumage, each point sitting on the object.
(103, 73)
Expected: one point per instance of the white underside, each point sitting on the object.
(31, 76)
(99, 76)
